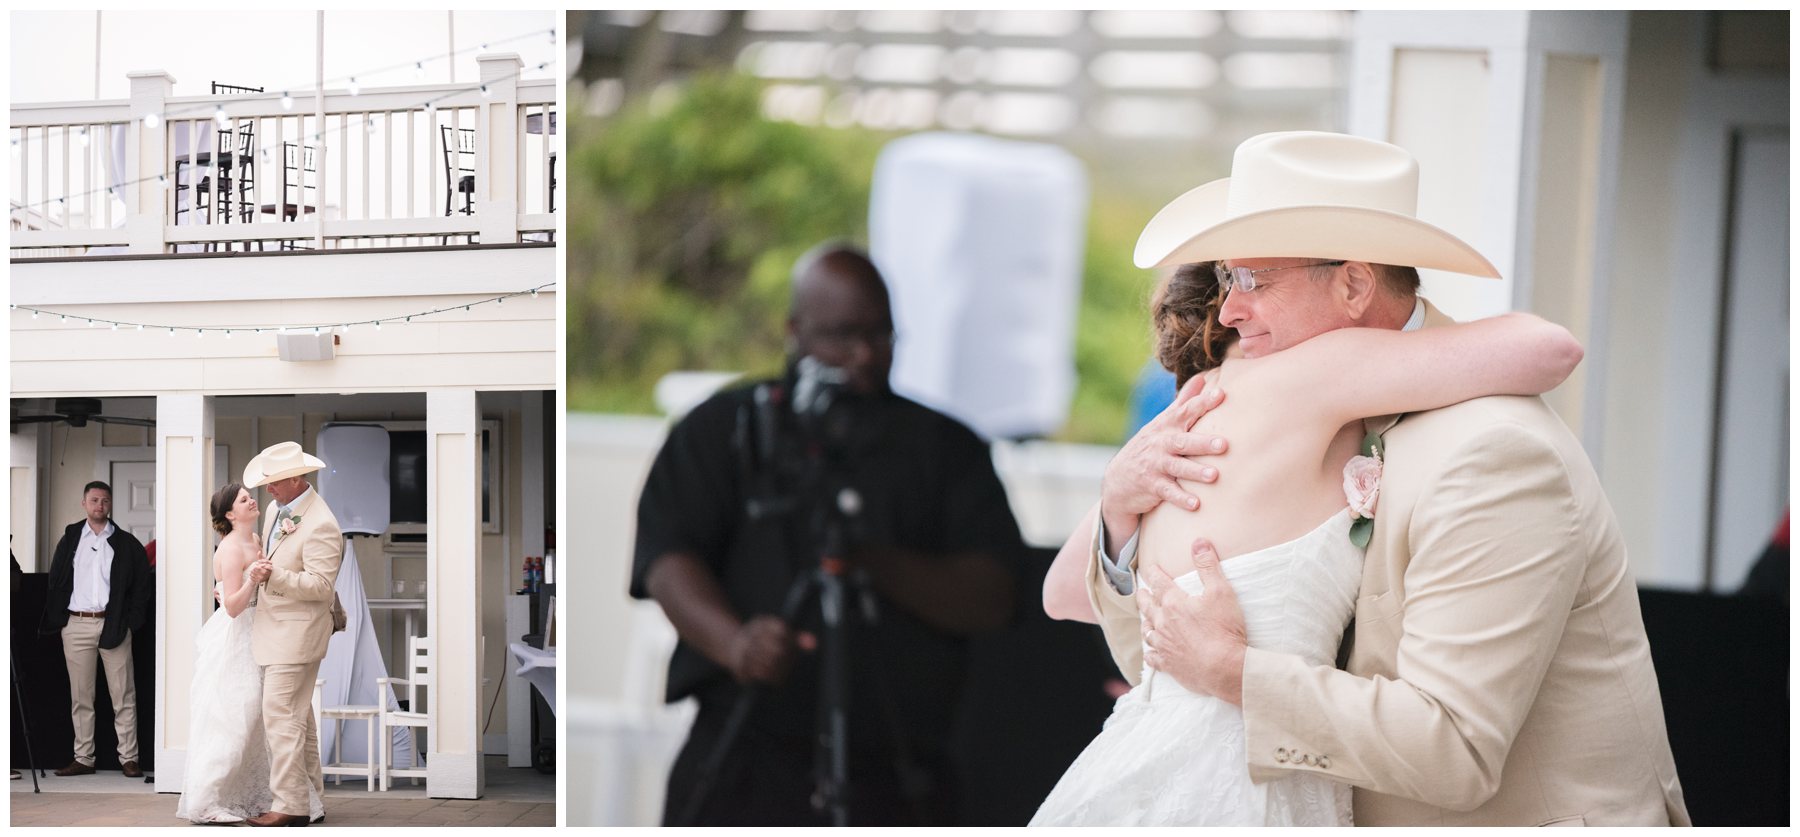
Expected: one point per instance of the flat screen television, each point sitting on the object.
(406, 474)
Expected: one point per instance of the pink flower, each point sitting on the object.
(288, 526)
(1362, 485)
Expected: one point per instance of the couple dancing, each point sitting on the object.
(253, 747)
(1496, 671)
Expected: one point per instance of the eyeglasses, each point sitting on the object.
(1244, 279)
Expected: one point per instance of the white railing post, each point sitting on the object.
(497, 150)
(146, 153)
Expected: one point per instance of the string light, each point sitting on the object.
(419, 69)
(221, 118)
(287, 101)
(485, 92)
(355, 89)
(84, 138)
(318, 328)
(152, 120)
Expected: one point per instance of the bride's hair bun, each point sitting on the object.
(1185, 313)
(222, 501)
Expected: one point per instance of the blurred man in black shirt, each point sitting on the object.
(935, 539)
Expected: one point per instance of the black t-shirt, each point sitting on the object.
(927, 484)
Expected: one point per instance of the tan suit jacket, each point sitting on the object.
(293, 609)
(1498, 671)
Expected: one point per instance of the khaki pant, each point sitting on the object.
(81, 647)
(293, 737)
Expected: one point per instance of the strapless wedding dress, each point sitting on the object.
(1168, 756)
(227, 772)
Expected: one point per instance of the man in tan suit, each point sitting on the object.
(293, 623)
(1497, 669)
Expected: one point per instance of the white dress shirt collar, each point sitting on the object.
(1414, 322)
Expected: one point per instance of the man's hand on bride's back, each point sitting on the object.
(1147, 470)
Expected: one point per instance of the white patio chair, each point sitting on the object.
(421, 673)
(369, 715)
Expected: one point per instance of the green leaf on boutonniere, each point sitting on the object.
(1360, 531)
(1373, 446)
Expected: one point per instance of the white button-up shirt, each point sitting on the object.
(93, 569)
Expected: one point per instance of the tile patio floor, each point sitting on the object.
(515, 797)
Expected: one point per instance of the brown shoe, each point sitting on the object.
(76, 768)
(131, 770)
(277, 818)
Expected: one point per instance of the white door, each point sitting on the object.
(134, 498)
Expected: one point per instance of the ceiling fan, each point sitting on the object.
(77, 412)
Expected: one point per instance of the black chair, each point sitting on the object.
(459, 168)
(226, 154)
(299, 176)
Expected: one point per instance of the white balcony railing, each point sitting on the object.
(425, 165)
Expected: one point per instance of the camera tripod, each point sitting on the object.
(840, 593)
(25, 726)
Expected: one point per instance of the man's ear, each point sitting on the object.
(1359, 288)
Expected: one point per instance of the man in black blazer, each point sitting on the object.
(100, 589)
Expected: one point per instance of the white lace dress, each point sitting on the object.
(1168, 756)
(227, 773)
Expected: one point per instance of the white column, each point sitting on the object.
(1515, 119)
(184, 455)
(453, 591)
(146, 153)
(497, 150)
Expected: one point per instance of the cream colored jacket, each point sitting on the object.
(1498, 671)
(293, 609)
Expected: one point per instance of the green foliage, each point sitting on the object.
(688, 210)
(687, 214)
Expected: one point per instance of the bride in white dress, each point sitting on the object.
(227, 772)
(1168, 756)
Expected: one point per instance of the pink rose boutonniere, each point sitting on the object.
(1362, 488)
(289, 525)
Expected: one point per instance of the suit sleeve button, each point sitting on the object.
(1281, 755)
(1324, 762)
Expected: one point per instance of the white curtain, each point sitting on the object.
(352, 662)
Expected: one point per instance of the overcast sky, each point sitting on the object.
(53, 53)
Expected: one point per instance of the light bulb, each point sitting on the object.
(484, 92)
(287, 101)
(220, 117)
(84, 138)
(355, 89)
(152, 120)
(419, 69)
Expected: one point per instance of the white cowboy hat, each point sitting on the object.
(1308, 194)
(278, 462)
